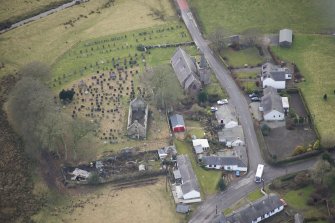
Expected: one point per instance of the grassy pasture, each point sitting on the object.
(315, 58)
(267, 16)
(150, 203)
(48, 39)
(15, 9)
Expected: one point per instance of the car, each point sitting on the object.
(237, 173)
(214, 109)
(255, 99)
(253, 95)
(222, 101)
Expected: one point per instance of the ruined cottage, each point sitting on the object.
(137, 119)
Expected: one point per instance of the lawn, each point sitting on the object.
(255, 195)
(14, 10)
(214, 88)
(315, 58)
(235, 16)
(208, 179)
(150, 203)
(195, 128)
(48, 39)
(246, 75)
(249, 56)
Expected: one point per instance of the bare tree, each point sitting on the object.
(252, 37)
(164, 85)
(217, 38)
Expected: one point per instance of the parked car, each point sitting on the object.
(214, 109)
(222, 101)
(253, 95)
(255, 99)
(237, 173)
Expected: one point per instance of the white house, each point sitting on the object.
(226, 163)
(271, 105)
(274, 76)
(232, 136)
(187, 188)
(201, 142)
(257, 211)
(226, 116)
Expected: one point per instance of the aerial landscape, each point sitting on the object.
(217, 111)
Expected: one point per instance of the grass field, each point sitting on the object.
(268, 16)
(314, 55)
(249, 56)
(48, 39)
(207, 179)
(150, 203)
(246, 75)
(15, 9)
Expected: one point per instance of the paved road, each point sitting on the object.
(237, 190)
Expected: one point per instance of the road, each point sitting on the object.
(238, 189)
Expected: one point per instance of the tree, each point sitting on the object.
(221, 184)
(251, 37)
(202, 96)
(66, 95)
(164, 85)
(217, 38)
(325, 97)
(319, 171)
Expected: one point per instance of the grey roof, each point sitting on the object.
(168, 150)
(188, 177)
(275, 72)
(184, 68)
(285, 35)
(138, 103)
(257, 209)
(271, 101)
(177, 120)
(182, 208)
(198, 149)
(203, 61)
(223, 161)
(231, 134)
(176, 174)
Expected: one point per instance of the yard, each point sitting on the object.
(207, 179)
(150, 203)
(236, 16)
(239, 58)
(315, 58)
(77, 24)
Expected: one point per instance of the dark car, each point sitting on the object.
(255, 99)
(253, 95)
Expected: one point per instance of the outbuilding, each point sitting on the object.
(285, 37)
(177, 123)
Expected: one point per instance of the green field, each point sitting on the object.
(236, 16)
(249, 56)
(315, 58)
(207, 179)
(47, 39)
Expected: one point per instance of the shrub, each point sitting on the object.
(299, 150)
(265, 129)
(316, 145)
(94, 179)
(221, 184)
(140, 47)
(202, 96)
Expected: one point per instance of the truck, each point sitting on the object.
(259, 173)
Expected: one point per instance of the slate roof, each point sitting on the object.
(176, 174)
(277, 73)
(182, 208)
(285, 35)
(225, 113)
(184, 68)
(223, 161)
(257, 209)
(177, 120)
(231, 134)
(198, 149)
(271, 101)
(167, 150)
(188, 177)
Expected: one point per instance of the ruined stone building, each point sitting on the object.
(137, 119)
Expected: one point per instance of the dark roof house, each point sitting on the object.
(285, 37)
(182, 208)
(186, 71)
(222, 161)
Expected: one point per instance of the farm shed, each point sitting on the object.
(177, 123)
(285, 37)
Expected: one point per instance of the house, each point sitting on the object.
(286, 105)
(232, 136)
(200, 143)
(167, 151)
(186, 71)
(257, 211)
(79, 174)
(226, 116)
(204, 71)
(137, 119)
(177, 123)
(271, 105)
(226, 163)
(187, 188)
(274, 76)
(285, 38)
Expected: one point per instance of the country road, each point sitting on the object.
(238, 189)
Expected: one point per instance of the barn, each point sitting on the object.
(177, 123)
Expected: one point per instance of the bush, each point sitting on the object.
(202, 96)
(221, 184)
(94, 179)
(316, 145)
(299, 150)
(140, 47)
(265, 129)
(212, 98)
